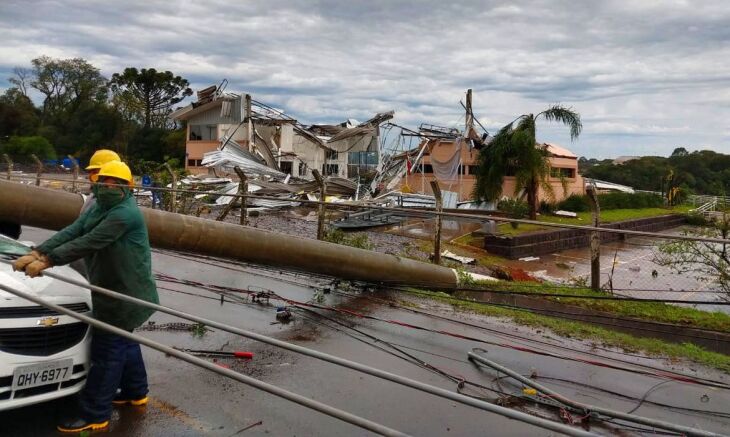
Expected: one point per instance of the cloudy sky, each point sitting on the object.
(646, 76)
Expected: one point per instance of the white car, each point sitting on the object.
(43, 354)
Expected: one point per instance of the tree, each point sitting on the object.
(514, 151)
(150, 93)
(707, 262)
(66, 85)
(680, 151)
(21, 79)
(18, 116)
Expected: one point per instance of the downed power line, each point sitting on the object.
(437, 391)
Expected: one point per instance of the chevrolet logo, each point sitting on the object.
(47, 322)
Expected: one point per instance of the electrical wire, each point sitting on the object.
(512, 335)
(437, 391)
(658, 374)
(461, 382)
(168, 351)
(476, 356)
(446, 214)
(556, 313)
(376, 341)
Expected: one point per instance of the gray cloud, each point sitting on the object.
(646, 76)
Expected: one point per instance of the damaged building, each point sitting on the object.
(226, 126)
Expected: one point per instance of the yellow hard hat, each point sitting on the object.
(118, 170)
(101, 157)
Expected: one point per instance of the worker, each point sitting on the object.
(112, 239)
(99, 158)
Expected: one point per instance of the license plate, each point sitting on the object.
(51, 372)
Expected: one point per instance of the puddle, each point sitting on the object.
(425, 229)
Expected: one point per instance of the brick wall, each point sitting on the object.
(545, 242)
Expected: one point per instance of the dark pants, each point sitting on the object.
(116, 363)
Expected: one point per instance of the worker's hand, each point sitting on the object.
(36, 267)
(21, 263)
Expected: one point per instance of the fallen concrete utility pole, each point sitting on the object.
(53, 209)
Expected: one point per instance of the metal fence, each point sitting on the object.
(637, 265)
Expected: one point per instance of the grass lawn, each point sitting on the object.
(653, 311)
(569, 328)
(584, 218)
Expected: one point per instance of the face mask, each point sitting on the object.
(108, 197)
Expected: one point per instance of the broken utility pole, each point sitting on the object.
(75, 167)
(39, 170)
(173, 194)
(469, 115)
(10, 164)
(595, 238)
(322, 195)
(439, 208)
(249, 123)
(242, 191)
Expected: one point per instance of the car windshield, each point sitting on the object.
(8, 246)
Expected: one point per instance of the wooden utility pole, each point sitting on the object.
(39, 170)
(242, 191)
(468, 128)
(249, 124)
(469, 119)
(228, 207)
(322, 195)
(595, 238)
(173, 193)
(10, 164)
(75, 167)
(437, 237)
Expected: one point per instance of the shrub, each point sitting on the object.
(546, 207)
(575, 203)
(608, 201)
(515, 208)
(695, 219)
(629, 201)
(337, 236)
(21, 148)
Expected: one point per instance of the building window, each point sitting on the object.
(286, 167)
(203, 132)
(560, 172)
(331, 154)
(302, 169)
(362, 158)
(427, 168)
(195, 162)
(331, 169)
(473, 169)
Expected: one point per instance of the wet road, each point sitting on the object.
(188, 401)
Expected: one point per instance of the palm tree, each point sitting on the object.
(514, 152)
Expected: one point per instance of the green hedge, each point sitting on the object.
(575, 203)
(607, 201)
(21, 148)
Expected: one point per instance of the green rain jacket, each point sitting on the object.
(116, 249)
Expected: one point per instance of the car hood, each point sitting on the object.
(42, 286)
